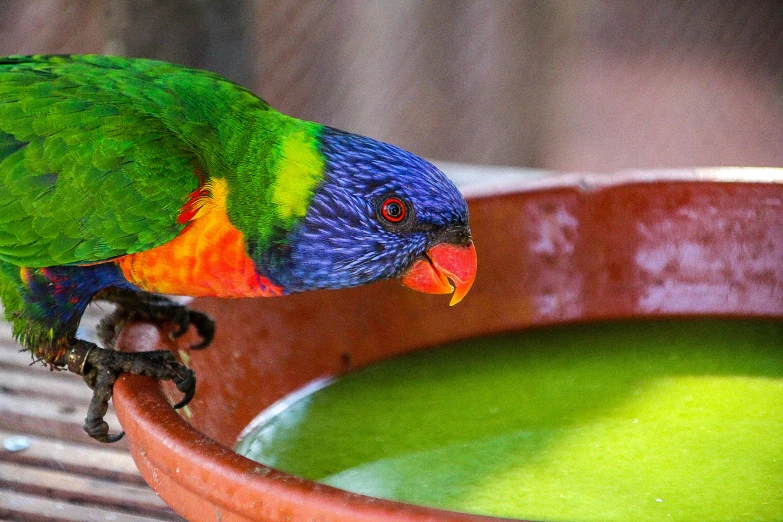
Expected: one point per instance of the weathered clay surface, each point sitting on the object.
(560, 250)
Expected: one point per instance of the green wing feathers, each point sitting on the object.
(98, 154)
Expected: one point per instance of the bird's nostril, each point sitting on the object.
(463, 236)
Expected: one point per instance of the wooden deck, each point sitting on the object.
(49, 468)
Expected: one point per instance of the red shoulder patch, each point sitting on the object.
(194, 202)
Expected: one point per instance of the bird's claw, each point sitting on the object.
(98, 429)
(100, 369)
(163, 309)
(153, 307)
(189, 392)
(204, 324)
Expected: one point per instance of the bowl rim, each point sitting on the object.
(208, 469)
(510, 181)
(183, 451)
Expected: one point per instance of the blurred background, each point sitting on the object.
(565, 85)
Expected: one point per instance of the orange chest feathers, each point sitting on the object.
(208, 258)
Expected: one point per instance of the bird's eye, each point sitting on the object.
(393, 210)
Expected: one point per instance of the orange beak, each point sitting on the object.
(443, 263)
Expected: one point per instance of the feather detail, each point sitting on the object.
(196, 200)
(209, 258)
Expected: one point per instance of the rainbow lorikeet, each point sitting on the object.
(122, 179)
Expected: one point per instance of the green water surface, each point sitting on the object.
(659, 420)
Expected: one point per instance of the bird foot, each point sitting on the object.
(152, 307)
(100, 368)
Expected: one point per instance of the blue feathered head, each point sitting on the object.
(377, 215)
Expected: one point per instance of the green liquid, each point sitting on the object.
(660, 420)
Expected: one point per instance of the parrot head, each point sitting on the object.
(380, 213)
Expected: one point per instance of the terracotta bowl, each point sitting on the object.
(552, 249)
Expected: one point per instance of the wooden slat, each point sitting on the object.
(14, 357)
(5, 330)
(36, 400)
(49, 418)
(29, 383)
(104, 461)
(59, 473)
(21, 506)
(73, 488)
